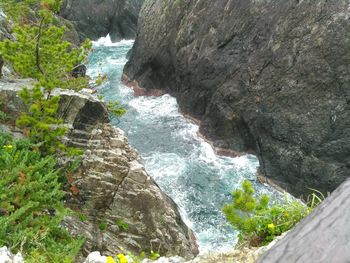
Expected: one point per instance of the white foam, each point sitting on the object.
(107, 42)
(155, 107)
(183, 164)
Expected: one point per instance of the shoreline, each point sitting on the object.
(139, 91)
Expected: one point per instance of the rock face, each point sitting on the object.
(4, 26)
(323, 236)
(96, 18)
(5, 33)
(268, 77)
(121, 208)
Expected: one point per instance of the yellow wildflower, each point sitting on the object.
(271, 226)
(110, 260)
(8, 147)
(122, 258)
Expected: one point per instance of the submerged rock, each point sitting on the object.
(118, 205)
(268, 77)
(95, 19)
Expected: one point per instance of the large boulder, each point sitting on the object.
(118, 206)
(268, 77)
(96, 18)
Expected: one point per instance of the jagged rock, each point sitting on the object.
(7, 257)
(323, 236)
(268, 77)
(95, 19)
(110, 187)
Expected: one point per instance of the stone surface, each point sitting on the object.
(111, 187)
(95, 257)
(268, 77)
(322, 237)
(7, 257)
(5, 33)
(95, 19)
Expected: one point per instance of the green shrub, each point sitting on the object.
(122, 224)
(31, 205)
(180, 2)
(39, 51)
(103, 225)
(258, 221)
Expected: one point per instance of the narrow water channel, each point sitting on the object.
(182, 164)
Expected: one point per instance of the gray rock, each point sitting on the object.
(165, 260)
(111, 186)
(267, 77)
(95, 257)
(7, 257)
(5, 33)
(95, 19)
(321, 237)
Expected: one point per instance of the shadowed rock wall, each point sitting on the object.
(268, 77)
(96, 18)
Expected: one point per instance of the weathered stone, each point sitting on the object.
(268, 77)
(323, 236)
(96, 257)
(95, 19)
(7, 257)
(110, 186)
(5, 33)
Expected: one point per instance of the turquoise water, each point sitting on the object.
(182, 164)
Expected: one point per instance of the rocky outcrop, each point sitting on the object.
(269, 77)
(323, 236)
(95, 19)
(118, 205)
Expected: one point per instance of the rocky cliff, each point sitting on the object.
(95, 19)
(268, 77)
(110, 187)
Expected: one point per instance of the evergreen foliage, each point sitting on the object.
(31, 204)
(39, 51)
(31, 195)
(258, 221)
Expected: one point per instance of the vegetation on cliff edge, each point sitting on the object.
(258, 220)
